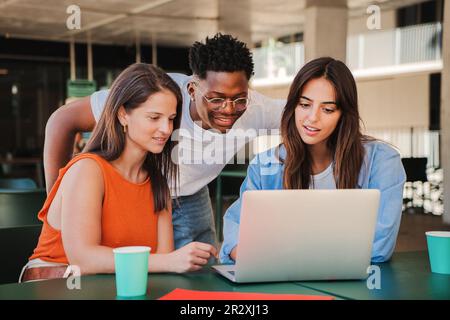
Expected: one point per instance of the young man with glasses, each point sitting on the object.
(217, 103)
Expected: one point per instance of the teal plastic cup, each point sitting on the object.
(131, 271)
(439, 251)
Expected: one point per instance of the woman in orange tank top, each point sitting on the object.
(115, 193)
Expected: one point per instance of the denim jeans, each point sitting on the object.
(193, 219)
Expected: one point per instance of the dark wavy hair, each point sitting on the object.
(345, 143)
(131, 88)
(222, 52)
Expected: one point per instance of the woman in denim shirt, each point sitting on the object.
(323, 148)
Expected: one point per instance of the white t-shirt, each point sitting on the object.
(324, 180)
(202, 154)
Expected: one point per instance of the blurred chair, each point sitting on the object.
(20, 207)
(17, 245)
(19, 183)
(416, 171)
(238, 172)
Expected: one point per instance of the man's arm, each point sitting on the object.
(60, 132)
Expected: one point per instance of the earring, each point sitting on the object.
(124, 128)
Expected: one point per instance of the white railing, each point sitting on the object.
(419, 43)
(412, 142)
(375, 49)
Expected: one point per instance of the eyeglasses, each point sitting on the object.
(239, 104)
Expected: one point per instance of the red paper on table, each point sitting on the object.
(183, 294)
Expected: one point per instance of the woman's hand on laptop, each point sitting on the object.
(191, 257)
(233, 253)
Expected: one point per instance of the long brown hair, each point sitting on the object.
(131, 88)
(345, 143)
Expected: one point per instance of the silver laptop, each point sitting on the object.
(294, 235)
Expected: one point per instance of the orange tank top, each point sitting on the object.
(128, 215)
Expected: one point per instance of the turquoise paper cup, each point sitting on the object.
(131, 270)
(439, 251)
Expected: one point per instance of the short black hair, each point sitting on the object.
(222, 52)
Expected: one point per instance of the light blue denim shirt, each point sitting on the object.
(382, 169)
